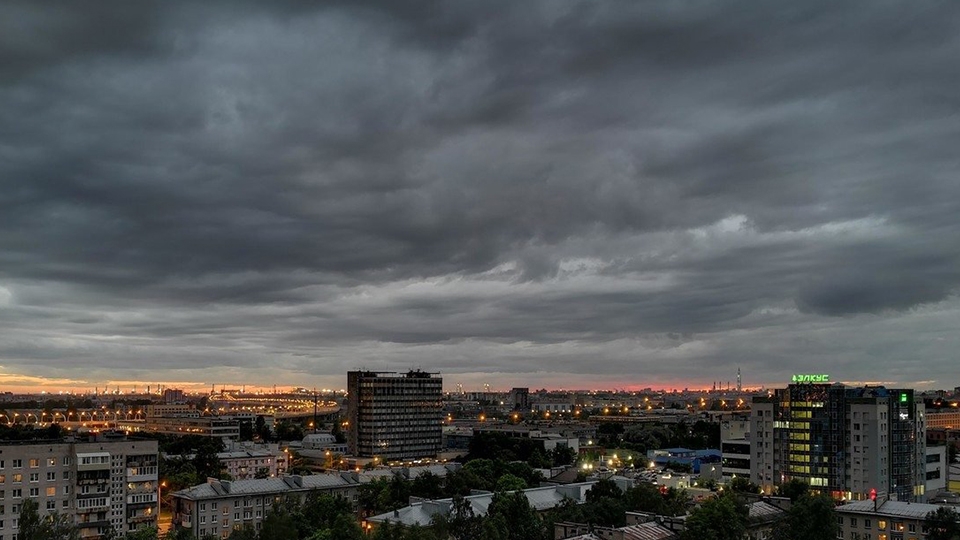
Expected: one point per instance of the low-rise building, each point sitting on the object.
(206, 426)
(883, 520)
(582, 531)
(218, 507)
(421, 513)
(243, 461)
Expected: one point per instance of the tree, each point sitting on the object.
(207, 464)
(246, 430)
(247, 532)
(510, 517)
(719, 518)
(279, 524)
(427, 485)
(261, 429)
(509, 482)
(811, 517)
(54, 526)
(943, 524)
(794, 489)
(321, 511)
(179, 533)
(143, 533)
(742, 485)
(463, 524)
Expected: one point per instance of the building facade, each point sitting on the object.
(843, 441)
(102, 485)
(394, 416)
(219, 507)
(883, 520)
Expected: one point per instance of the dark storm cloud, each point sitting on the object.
(488, 187)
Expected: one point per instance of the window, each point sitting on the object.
(17, 463)
(34, 477)
(866, 523)
(66, 461)
(51, 476)
(51, 491)
(51, 505)
(912, 527)
(17, 493)
(51, 462)
(3, 478)
(65, 504)
(66, 475)
(853, 522)
(34, 463)
(34, 492)
(882, 524)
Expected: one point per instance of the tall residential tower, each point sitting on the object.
(843, 441)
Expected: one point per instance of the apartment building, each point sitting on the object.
(394, 416)
(219, 507)
(841, 440)
(883, 520)
(243, 461)
(103, 485)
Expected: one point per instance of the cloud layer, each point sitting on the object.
(530, 193)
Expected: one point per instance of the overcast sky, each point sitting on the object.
(545, 194)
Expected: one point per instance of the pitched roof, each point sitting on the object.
(541, 498)
(215, 489)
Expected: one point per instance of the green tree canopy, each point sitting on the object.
(794, 489)
(53, 526)
(718, 518)
(943, 524)
(811, 517)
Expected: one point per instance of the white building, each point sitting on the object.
(937, 471)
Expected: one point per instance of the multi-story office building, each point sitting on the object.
(394, 416)
(219, 507)
(843, 441)
(102, 485)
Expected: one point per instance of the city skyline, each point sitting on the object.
(559, 195)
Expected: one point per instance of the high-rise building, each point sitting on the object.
(841, 440)
(520, 399)
(102, 485)
(394, 416)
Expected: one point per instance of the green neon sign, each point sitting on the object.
(811, 378)
(903, 397)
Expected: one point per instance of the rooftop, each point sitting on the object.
(541, 498)
(890, 508)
